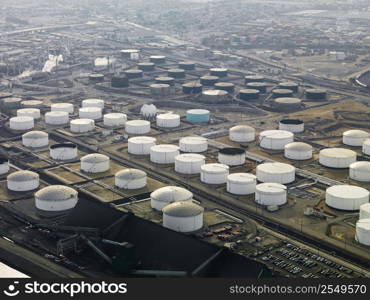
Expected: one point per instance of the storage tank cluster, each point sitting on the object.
(298, 151)
(169, 194)
(292, 125)
(197, 115)
(271, 194)
(22, 181)
(363, 231)
(355, 137)
(193, 144)
(56, 198)
(95, 163)
(189, 163)
(130, 179)
(140, 145)
(360, 171)
(29, 112)
(21, 123)
(231, 156)
(286, 104)
(337, 157)
(214, 173)
(164, 153)
(63, 151)
(168, 120)
(346, 197)
(241, 183)
(35, 139)
(67, 107)
(275, 172)
(82, 125)
(275, 139)
(114, 119)
(214, 96)
(242, 134)
(56, 118)
(137, 127)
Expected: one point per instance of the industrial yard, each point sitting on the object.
(136, 143)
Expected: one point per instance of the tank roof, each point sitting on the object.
(183, 209)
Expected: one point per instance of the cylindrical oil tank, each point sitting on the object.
(63, 151)
(193, 144)
(298, 151)
(21, 181)
(225, 86)
(148, 111)
(288, 85)
(360, 171)
(95, 163)
(337, 157)
(282, 93)
(93, 113)
(242, 134)
(29, 112)
(363, 231)
(133, 73)
(11, 103)
(316, 94)
(275, 172)
(56, 198)
(189, 163)
(146, 66)
(192, 88)
(157, 59)
(214, 96)
(261, 86)
(346, 197)
(209, 80)
(231, 156)
(187, 65)
(176, 73)
(35, 139)
(137, 127)
(355, 137)
(160, 89)
(119, 81)
(249, 94)
(32, 104)
(21, 123)
(271, 194)
(275, 139)
(96, 77)
(197, 115)
(168, 120)
(164, 153)
(286, 104)
(366, 147)
(114, 119)
(4, 165)
(67, 107)
(82, 125)
(241, 183)
(292, 125)
(56, 117)
(165, 80)
(214, 173)
(93, 103)
(253, 78)
(219, 72)
(169, 194)
(183, 216)
(140, 145)
(365, 211)
(130, 179)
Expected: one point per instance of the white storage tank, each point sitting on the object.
(56, 117)
(182, 216)
(363, 231)
(242, 134)
(355, 137)
(292, 125)
(365, 211)
(21, 181)
(214, 173)
(275, 139)
(29, 112)
(337, 157)
(67, 107)
(114, 119)
(271, 194)
(169, 194)
(137, 127)
(197, 115)
(95, 163)
(193, 144)
(63, 151)
(360, 171)
(231, 156)
(366, 147)
(92, 113)
(130, 179)
(82, 125)
(298, 151)
(56, 198)
(164, 153)
(35, 139)
(275, 172)
(148, 111)
(21, 123)
(168, 120)
(241, 183)
(189, 163)
(140, 145)
(4, 165)
(93, 103)
(346, 197)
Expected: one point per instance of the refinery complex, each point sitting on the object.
(162, 139)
